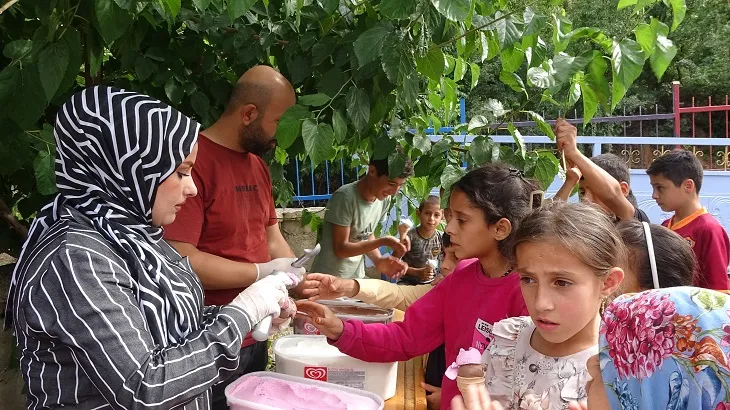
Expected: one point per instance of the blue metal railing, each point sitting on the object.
(314, 196)
(597, 143)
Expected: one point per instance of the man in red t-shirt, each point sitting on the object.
(230, 231)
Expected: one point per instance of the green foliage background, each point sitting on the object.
(370, 74)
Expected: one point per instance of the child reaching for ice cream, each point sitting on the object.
(391, 296)
(567, 258)
(488, 203)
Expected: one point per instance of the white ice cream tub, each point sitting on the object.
(311, 357)
(323, 395)
(345, 309)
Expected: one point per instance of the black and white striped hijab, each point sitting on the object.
(114, 148)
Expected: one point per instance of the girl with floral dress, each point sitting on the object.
(567, 257)
(663, 349)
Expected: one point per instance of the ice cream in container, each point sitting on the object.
(311, 357)
(274, 391)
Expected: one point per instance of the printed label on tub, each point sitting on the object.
(309, 329)
(354, 378)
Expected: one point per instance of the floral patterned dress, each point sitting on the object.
(667, 349)
(521, 378)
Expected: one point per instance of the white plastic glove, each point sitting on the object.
(264, 298)
(279, 264)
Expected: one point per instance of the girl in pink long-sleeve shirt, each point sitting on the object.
(487, 205)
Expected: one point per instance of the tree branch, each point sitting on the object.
(7, 5)
(14, 223)
(466, 33)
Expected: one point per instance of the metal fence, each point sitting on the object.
(638, 138)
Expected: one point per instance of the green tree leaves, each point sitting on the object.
(432, 64)
(18, 49)
(45, 177)
(52, 65)
(369, 44)
(397, 9)
(314, 100)
(359, 70)
(318, 140)
(626, 62)
(237, 8)
(358, 108)
(454, 10)
(110, 20)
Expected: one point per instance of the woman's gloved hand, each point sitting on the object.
(265, 297)
(278, 265)
(288, 310)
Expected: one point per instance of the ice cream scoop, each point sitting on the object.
(404, 226)
(467, 369)
(261, 331)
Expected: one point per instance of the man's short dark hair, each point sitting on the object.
(432, 200)
(677, 166)
(381, 166)
(616, 167)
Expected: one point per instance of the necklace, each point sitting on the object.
(511, 268)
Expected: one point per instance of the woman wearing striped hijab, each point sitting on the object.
(106, 313)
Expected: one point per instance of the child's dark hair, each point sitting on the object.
(432, 199)
(675, 261)
(445, 242)
(381, 166)
(616, 167)
(581, 228)
(500, 192)
(677, 166)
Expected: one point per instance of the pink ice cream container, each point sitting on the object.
(274, 391)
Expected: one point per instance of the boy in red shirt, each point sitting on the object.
(676, 178)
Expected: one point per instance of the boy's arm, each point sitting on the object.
(600, 182)
(345, 249)
(572, 178)
(389, 295)
(713, 258)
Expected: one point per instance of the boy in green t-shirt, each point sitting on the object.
(348, 232)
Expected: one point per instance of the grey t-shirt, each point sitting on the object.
(348, 208)
(422, 249)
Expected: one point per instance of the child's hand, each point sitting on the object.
(476, 398)
(391, 267)
(425, 273)
(566, 137)
(332, 287)
(399, 249)
(406, 241)
(433, 400)
(321, 317)
(574, 405)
